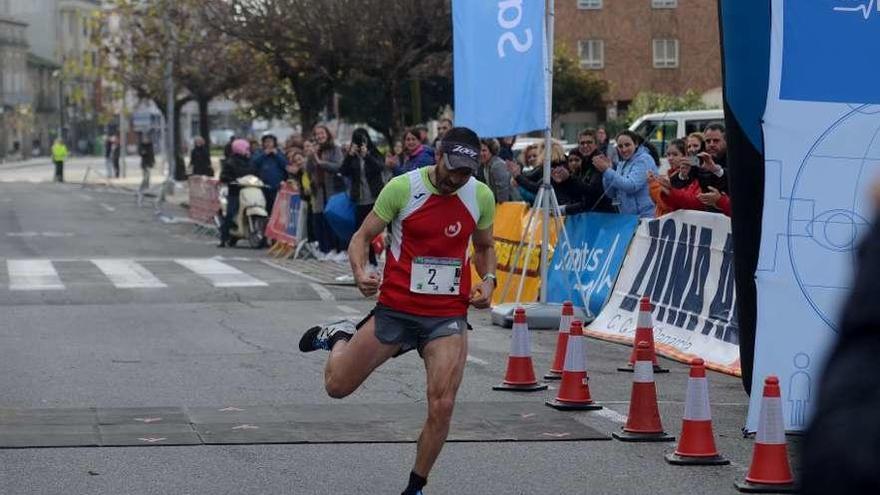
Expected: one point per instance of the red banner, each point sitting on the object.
(284, 220)
(204, 198)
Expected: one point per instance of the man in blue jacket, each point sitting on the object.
(271, 164)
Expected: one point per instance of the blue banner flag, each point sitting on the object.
(848, 71)
(499, 60)
(599, 242)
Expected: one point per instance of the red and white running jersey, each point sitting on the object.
(427, 270)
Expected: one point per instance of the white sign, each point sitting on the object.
(683, 262)
(822, 154)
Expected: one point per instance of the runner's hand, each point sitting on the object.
(368, 283)
(481, 295)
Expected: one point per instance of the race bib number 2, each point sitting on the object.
(437, 276)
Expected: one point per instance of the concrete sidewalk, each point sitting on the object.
(91, 171)
(42, 169)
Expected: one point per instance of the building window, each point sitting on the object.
(665, 54)
(589, 4)
(664, 4)
(591, 54)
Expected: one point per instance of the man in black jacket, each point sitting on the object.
(592, 193)
(200, 158)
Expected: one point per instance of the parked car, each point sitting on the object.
(661, 128)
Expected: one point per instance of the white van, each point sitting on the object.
(661, 128)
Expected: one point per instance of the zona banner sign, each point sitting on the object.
(598, 246)
(683, 262)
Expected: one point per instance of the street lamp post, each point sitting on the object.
(170, 155)
(57, 75)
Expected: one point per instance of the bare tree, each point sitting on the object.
(137, 43)
(319, 46)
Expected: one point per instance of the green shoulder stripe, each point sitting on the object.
(486, 202)
(392, 199)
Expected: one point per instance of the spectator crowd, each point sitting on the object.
(622, 175)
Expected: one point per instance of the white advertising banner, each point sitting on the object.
(822, 152)
(683, 262)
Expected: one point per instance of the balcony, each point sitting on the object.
(15, 99)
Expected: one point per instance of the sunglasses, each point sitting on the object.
(587, 142)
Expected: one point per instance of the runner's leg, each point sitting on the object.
(444, 362)
(351, 362)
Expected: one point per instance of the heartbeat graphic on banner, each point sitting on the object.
(865, 9)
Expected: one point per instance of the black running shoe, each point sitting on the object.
(323, 337)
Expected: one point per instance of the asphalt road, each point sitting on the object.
(200, 339)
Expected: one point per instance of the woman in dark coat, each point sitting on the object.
(323, 161)
(200, 158)
(148, 160)
(363, 166)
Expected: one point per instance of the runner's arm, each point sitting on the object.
(388, 205)
(484, 261)
(484, 248)
(367, 282)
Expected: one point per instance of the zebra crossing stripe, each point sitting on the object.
(220, 274)
(128, 274)
(33, 275)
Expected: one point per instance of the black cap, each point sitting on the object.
(462, 148)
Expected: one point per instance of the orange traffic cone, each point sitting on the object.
(643, 422)
(697, 443)
(574, 391)
(769, 472)
(555, 372)
(644, 332)
(520, 375)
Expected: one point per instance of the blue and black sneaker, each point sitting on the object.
(324, 337)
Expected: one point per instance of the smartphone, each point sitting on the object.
(694, 160)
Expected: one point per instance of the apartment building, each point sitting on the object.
(666, 46)
(14, 94)
(61, 60)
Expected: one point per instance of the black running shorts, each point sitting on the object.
(412, 331)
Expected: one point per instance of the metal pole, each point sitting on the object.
(60, 108)
(548, 145)
(123, 130)
(170, 155)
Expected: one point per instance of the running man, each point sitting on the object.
(433, 213)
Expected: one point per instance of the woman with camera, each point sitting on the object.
(363, 166)
(687, 186)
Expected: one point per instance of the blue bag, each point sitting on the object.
(340, 215)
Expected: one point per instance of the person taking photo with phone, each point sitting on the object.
(363, 166)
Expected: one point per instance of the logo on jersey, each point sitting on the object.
(453, 229)
(419, 196)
